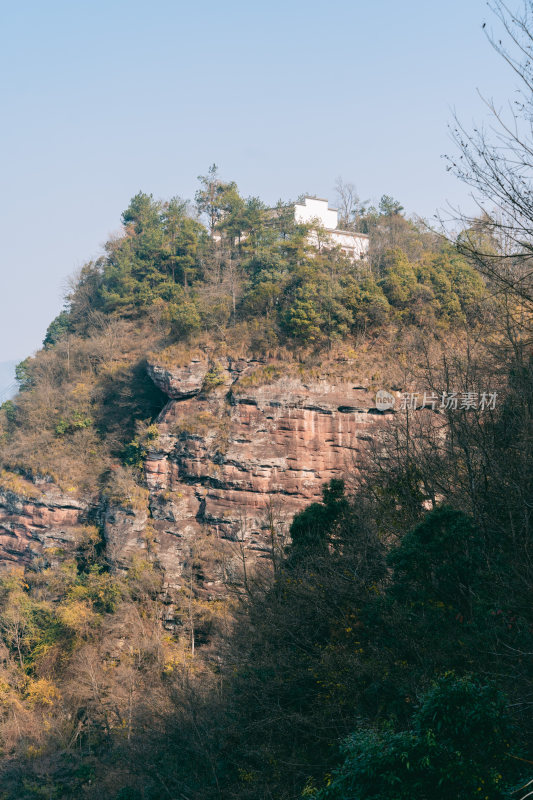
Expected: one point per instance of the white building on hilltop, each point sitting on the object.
(316, 211)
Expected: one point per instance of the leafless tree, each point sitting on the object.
(348, 201)
(496, 161)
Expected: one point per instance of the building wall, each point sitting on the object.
(354, 245)
(313, 209)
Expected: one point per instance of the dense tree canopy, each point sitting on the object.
(259, 264)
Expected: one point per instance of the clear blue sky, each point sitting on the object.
(102, 99)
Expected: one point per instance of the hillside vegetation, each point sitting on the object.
(261, 289)
(386, 651)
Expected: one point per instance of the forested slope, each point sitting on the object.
(261, 290)
(395, 619)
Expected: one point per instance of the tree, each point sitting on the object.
(57, 329)
(215, 198)
(389, 207)
(457, 747)
(439, 561)
(23, 375)
(312, 529)
(348, 202)
(496, 161)
(183, 236)
(142, 212)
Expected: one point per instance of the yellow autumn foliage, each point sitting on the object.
(42, 692)
(77, 615)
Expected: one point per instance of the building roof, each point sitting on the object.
(321, 199)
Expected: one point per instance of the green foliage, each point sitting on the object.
(23, 375)
(440, 560)
(215, 376)
(10, 410)
(313, 529)
(135, 452)
(438, 287)
(158, 257)
(99, 587)
(316, 298)
(219, 201)
(399, 279)
(339, 640)
(368, 303)
(368, 218)
(29, 627)
(57, 329)
(388, 206)
(258, 265)
(78, 421)
(142, 213)
(457, 747)
(303, 320)
(184, 317)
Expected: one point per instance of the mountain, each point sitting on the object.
(195, 381)
(222, 556)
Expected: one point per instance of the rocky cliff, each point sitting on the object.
(37, 521)
(242, 446)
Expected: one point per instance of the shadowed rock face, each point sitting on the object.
(229, 459)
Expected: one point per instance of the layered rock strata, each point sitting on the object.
(243, 447)
(37, 524)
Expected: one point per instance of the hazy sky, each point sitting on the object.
(102, 99)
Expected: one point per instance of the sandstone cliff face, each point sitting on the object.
(124, 532)
(41, 527)
(37, 523)
(243, 446)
